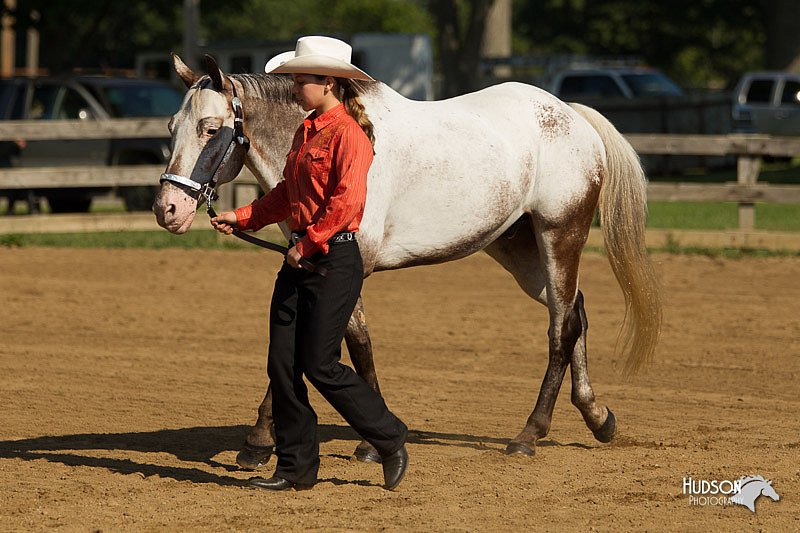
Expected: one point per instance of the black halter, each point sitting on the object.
(207, 190)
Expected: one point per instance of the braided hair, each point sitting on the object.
(348, 95)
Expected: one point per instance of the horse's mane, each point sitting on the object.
(744, 480)
(278, 88)
(267, 86)
(364, 86)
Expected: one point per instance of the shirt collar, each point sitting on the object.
(327, 117)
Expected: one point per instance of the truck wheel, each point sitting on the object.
(69, 203)
(138, 198)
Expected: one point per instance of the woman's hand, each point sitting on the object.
(293, 257)
(224, 222)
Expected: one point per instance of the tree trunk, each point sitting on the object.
(497, 36)
(782, 21)
(460, 49)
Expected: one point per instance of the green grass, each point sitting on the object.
(203, 239)
(778, 217)
(692, 215)
(725, 253)
(128, 239)
(662, 215)
(720, 216)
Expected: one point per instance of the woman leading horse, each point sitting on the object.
(322, 196)
(510, 170)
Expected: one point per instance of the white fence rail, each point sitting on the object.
(746, 190)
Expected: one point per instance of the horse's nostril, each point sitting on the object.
(171, 208)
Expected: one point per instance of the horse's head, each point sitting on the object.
(768, 491)
(205, 146)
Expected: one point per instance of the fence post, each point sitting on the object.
(747, 168)
(227, 197)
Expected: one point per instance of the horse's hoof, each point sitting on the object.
(517, 448)
(608, 429)
(251, 457)
(367, 454)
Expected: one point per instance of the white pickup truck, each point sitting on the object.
(767, 102)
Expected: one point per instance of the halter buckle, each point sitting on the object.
(208, 192)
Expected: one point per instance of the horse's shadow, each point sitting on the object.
(196, 445)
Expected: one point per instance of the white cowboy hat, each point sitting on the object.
(314, 54)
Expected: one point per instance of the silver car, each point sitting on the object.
(767, 102)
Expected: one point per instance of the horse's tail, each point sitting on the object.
(623, 213)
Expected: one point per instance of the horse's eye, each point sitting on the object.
(212, 131)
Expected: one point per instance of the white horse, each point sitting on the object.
(510, 170)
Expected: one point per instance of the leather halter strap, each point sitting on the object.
(208, 192)
(207, 187)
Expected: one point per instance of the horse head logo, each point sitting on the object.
(751, 487)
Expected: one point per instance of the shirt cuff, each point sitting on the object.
(243, 215)
(307, 247)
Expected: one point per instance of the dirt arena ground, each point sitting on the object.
(127, 382)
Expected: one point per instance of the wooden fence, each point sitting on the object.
(748, 149)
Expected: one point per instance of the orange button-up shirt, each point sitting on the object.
(325, 182)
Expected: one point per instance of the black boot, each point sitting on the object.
(394, 468)
(276, 483)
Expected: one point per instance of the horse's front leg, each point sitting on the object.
(260, 441)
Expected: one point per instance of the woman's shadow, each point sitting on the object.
(193, 445)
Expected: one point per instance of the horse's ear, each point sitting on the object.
(185, 73)
(216, 75)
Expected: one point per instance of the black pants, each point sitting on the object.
(308, 319)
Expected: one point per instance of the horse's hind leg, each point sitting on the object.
(600, 420)
(548, 272)
(359, 346)
(561, 274)
(519, 254)
(260, 441)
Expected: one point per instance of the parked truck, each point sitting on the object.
(89, 98)
(404, 61)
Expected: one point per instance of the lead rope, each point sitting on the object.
(305, 263)
(208, 190)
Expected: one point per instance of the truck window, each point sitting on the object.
(71, 105)
(759, 92)
(143, 100)
(791, 93)
(12, 100)
(43, 102)
(651, 84)
(589, 86)
(240, 64)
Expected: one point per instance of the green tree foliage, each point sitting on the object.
(98, 33)
(699, 42)
(281, 20)
(109, 33)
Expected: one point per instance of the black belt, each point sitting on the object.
(344, 236)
